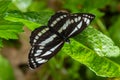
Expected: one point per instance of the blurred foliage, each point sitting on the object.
(114, 31)
(85, 5)
(22, 5)
(6, 71)
(99, 49)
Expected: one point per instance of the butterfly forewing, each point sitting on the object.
(57, 21)
(77, 23)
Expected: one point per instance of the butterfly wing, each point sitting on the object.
(47, 41)
(38, 32)
(44, 47)
(77, 23)
(70, 25)
(57, 20)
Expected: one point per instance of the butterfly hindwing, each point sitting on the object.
(45, 47)
(41, 54)
(38, 32)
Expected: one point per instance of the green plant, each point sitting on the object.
(92, 48)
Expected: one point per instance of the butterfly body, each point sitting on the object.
(46, 41)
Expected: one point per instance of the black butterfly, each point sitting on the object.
(46, 41)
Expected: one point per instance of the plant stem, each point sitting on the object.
(102, 27)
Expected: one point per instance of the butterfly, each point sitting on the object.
(46, 41)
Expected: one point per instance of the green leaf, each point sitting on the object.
(6, 71)
(10, 30)
(98, 42)
(4, 5)
(94, 49)
(31, 19)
